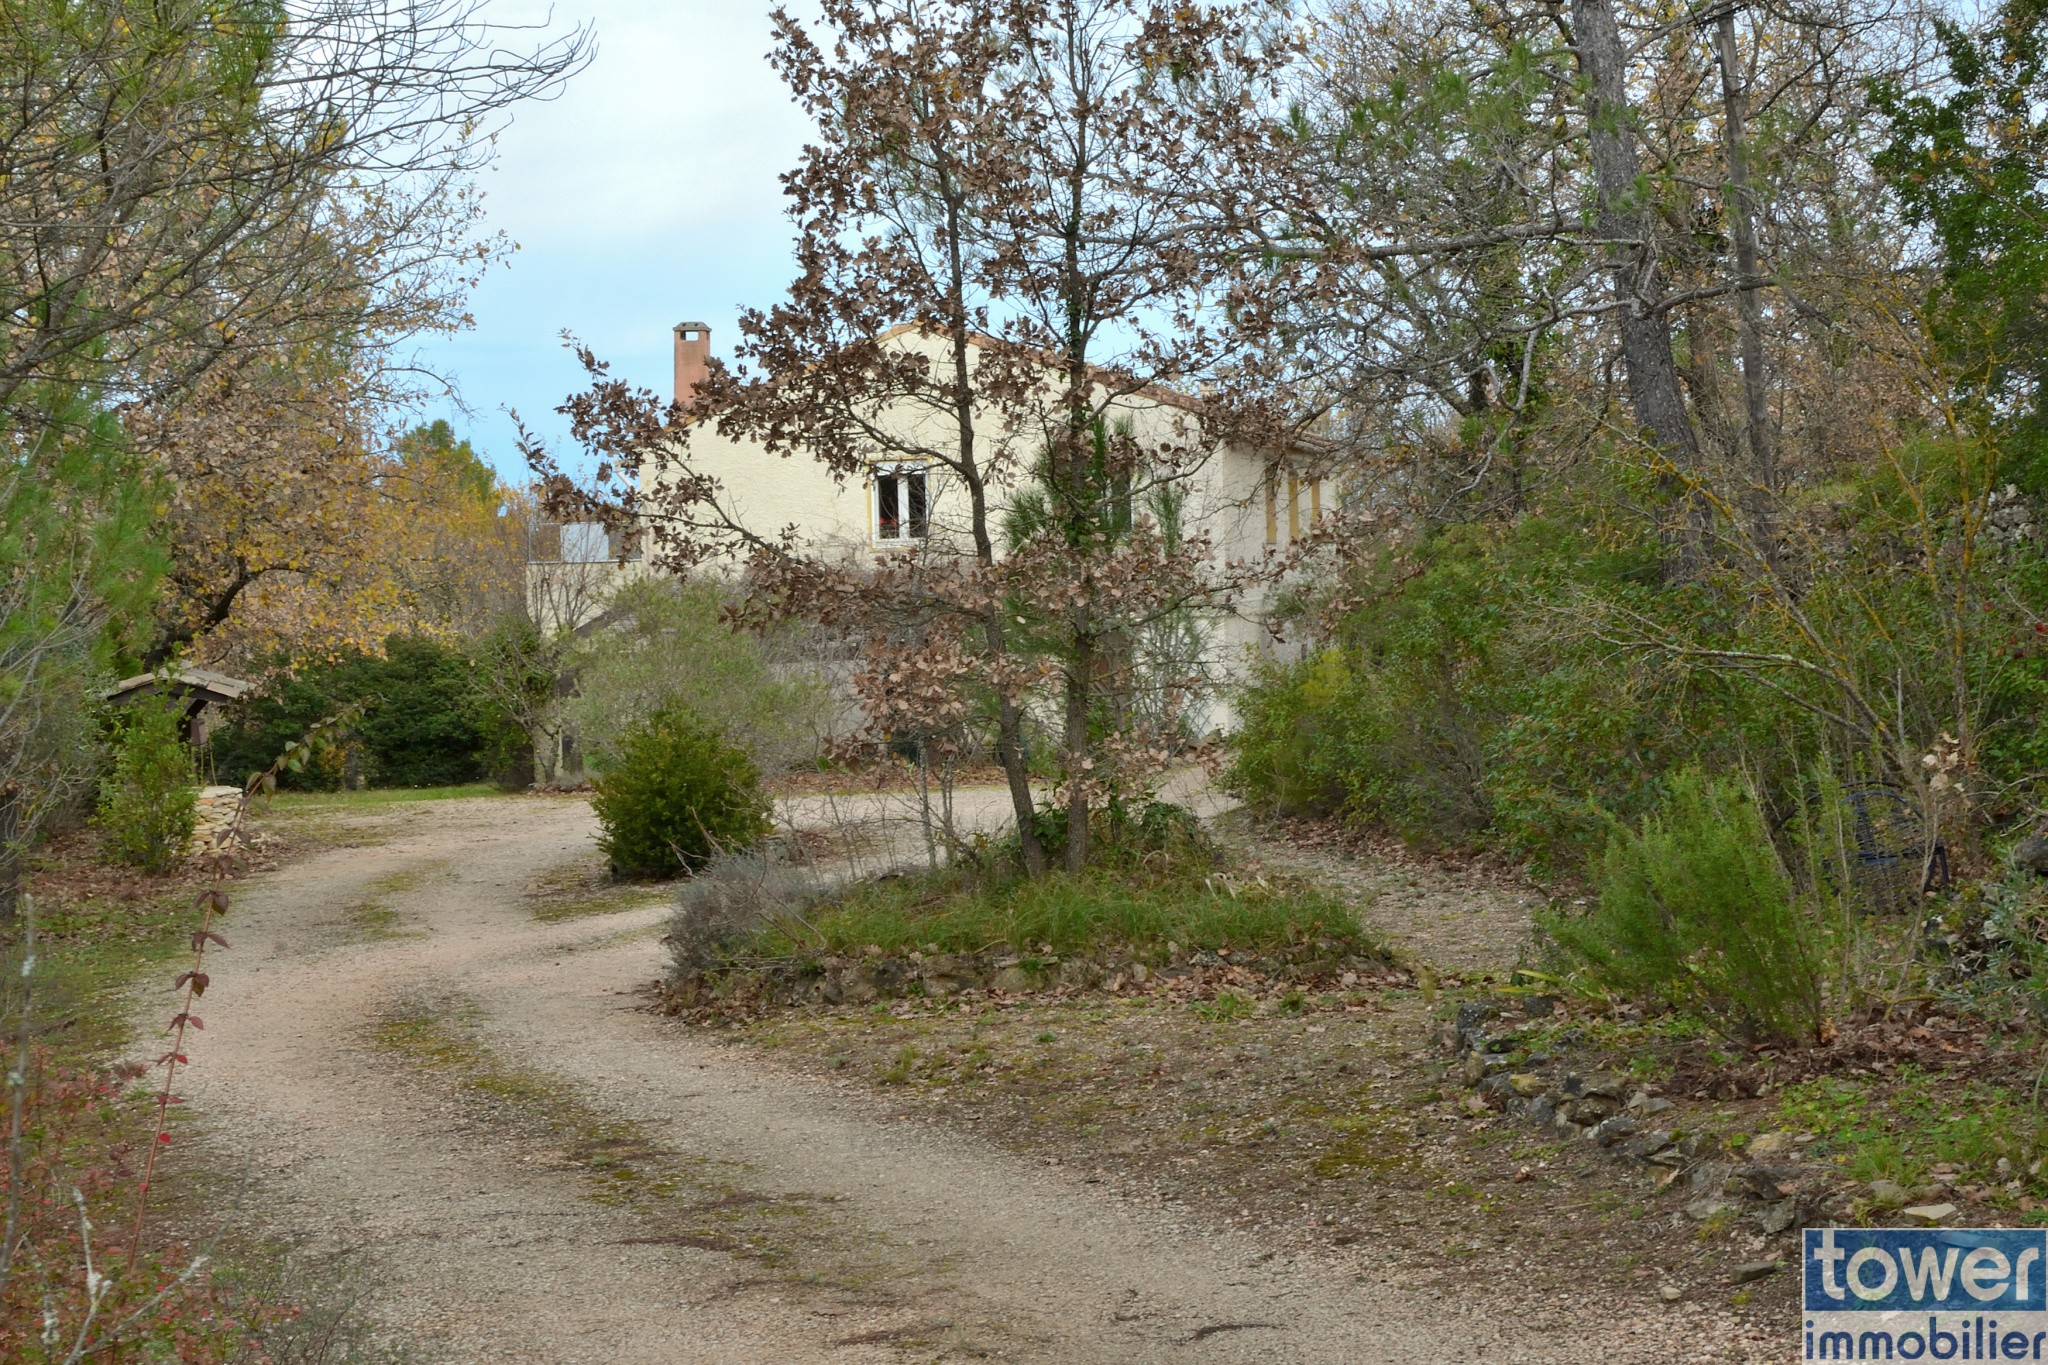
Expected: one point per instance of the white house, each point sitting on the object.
(1248, 502)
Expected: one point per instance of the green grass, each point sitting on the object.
(374, 917)
(91, 953)
(951, 912)
(609, 901)
(291, 803)
(1900, 1129)
(1227, 1007)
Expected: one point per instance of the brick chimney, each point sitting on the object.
(693, 355)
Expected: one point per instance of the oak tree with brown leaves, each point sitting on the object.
(1007, 278)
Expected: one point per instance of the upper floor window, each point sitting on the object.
(580, 542)
(902, 502)
(1288, 491)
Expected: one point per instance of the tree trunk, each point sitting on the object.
(1010, 753)
(1080, 666)
(1763, 466)
(1648, 363)
(1010, 750)
(1009, 720)
(171, 639)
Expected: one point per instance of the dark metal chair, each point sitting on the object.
(1891, 865)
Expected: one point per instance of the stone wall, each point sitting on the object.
(216, 818)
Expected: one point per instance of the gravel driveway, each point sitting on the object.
(494, 1232)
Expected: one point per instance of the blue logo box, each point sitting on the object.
(1926, 1270)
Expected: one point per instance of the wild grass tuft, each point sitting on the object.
(954, 912)
(1227, 1007)
(1899, 1129)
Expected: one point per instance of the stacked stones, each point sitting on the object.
(2009, 519)
(214, 824)
(859, 979)
(1765, 1182)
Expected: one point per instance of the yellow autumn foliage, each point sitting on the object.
(298, 527)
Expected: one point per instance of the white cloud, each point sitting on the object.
(646, 194)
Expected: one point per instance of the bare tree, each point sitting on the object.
(1492, 213)
(181, 188)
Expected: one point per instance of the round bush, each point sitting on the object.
(148, 807)
(677, 795)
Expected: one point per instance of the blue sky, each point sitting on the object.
(644, 196)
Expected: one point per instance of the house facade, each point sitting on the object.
(1248, 503)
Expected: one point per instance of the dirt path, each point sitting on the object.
(411, 1064)
(1448, 917)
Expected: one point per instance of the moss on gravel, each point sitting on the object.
(582, 887)
(682, 1200)
(374, 917)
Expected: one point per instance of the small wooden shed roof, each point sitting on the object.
(197, 684)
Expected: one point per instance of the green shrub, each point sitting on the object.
(666, 643)
(1451, 708)
(1293, 721)
(1123, 836)
(262, 724)
(147, 803)
(677, 794)
(428, 727)
(1696, 909)
(430, 723)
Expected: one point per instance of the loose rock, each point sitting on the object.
(1613, 1130)
(1779, 1217)
(1768, 1146)
(1012, 981)
(1649, 1145)
(1587, 1111)
(1930, 1214)
(1699, 1146)
(1768, 1183)
(1602, 1088)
